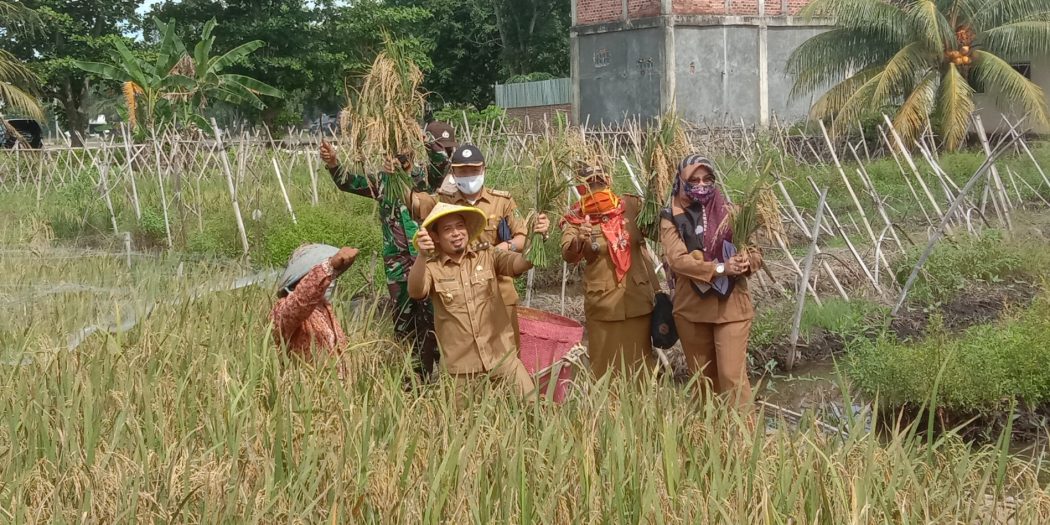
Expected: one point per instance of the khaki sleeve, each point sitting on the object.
(690, 265)
(514, 219)
(422, 205)
(509, 264)
(571, 249)
(419, 279)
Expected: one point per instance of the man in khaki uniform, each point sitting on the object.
(473, 329)
(712, 305)
(619, 280)
(504, 228)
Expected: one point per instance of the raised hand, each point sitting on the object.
(343, 259)
(328, 155)
(543, 224)
(426, 244)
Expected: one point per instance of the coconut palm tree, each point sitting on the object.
(17, 82)
(922, 61)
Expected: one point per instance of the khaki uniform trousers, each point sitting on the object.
(719, 351)
(511, 373)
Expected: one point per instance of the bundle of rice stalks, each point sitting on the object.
(665, 145)
(555, 159)
(381, 121)
(757, 211)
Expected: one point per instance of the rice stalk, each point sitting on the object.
(758, 211)
(555, 156)
(665, 145)
(381, 120)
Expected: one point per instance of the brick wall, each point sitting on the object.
(643, 8)
(598, 11)
(737, 7)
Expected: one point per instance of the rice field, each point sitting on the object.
(189, 415)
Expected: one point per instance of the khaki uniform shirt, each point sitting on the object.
(473, 329)
(606, 298)
(497, 205)
(688, 304)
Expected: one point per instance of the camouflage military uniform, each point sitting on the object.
(413, 320)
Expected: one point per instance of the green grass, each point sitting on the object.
(986, 368)
(846, 319)
(965, 262)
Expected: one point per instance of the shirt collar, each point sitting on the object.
(484, 196)
(447, 259)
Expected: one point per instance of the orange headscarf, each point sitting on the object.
(603, 208)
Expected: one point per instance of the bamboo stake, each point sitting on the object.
(284, 191)
(911, 164)
(163, 196)
(1001, 189)
(131, 171)
(849, 187)
(862, 174)
(313, 178)
(796, 322)
(849, 244)
(1024, 147)
(939, 231)
(229, 185)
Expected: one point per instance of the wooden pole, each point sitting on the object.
(800, 305)
(939, 231)
(284, 191)
(224, 158)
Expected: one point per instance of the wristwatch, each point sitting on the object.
(720, 269)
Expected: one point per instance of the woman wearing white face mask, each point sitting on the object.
(505, 229)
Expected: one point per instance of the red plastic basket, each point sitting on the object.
(545, 340)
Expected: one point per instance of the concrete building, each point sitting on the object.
(716, 60)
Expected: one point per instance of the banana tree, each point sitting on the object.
(210, 82)
(178, 85)
(148, 87)
(922, 60)
(17, 82)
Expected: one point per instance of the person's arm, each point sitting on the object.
(682, 263)
(419, 279)
(290, 312)
(576, 244)
(421, 205)
(358, 184)
(518, 229)
(509, 264)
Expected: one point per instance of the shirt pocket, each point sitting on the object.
(451, 296)
(482, 283)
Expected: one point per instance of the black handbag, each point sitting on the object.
(664, 332)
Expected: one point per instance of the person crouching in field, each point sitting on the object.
(474, 331)
(619, 279)
(303, 320)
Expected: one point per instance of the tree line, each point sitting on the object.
(76, 58)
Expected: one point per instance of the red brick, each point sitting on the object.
(598, 11)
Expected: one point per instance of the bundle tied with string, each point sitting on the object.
(381, 120)
(665, 145)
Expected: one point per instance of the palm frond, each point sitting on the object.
(954, 107)
(1017, 40)
(914, 113)
(997, 76)
(832, 56)
(830, 102)
(994, 13)
(872, 16)
(859, 104)
(934, 30)
(904, 69)
(17, 99)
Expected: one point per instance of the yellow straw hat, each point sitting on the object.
(474, 218)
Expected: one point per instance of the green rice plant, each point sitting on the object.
(555, 156)
(758, 210)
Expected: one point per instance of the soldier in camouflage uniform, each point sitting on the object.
(413, 320)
